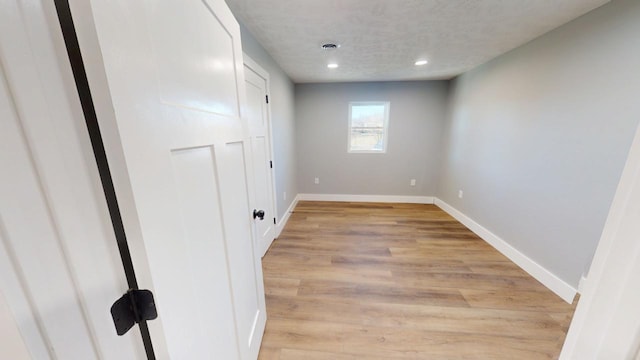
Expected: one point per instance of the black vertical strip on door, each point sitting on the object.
(91, 119)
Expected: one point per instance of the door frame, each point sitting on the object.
(253, 65)
(605, 323)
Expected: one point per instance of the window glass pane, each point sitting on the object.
(367, 115)
(367, 139)
(368, 126)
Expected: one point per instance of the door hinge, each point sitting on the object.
(133, 308)
(274, 221)
(271, 164)
(267, 98)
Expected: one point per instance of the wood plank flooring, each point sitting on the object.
(348, 281)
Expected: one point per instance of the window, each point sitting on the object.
(368, 123)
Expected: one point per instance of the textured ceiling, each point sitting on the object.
(381, 39)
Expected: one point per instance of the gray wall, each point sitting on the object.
(537, 138)
(416, 117)
(281, 100)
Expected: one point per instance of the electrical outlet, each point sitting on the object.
(317, 180)
(284, 196)
(413, 182)
(460, 194)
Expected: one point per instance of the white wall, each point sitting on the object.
(282, 121)
(416, 117)
(537, 138)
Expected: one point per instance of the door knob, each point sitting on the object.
(258, 214)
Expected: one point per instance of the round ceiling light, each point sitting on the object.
(332, 65)
(422, 62)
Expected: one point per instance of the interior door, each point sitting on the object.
(59, 264)
(177, 139)
(606, 323)
(260, 130)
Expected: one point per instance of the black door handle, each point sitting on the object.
(258, 214)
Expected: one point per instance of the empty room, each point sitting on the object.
(357, 179)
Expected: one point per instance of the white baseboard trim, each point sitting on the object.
(555, 284)
(581, 284)
(367, 198)
(280, 225)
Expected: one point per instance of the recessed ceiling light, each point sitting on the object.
(332, 65)
(421, 62)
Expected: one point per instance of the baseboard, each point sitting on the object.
(548, 279)
(583, 280)
(280, 225)
(368, 198)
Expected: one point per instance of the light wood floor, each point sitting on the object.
(400, 281)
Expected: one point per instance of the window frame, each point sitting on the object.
(385, 128)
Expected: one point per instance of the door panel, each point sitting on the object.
(31, 249)
(249, 293)
(193, 81)
(32, 245)
(194, 171)
(59, 264)
(179, 144)
(12, 345)
(259, 128)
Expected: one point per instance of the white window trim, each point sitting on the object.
(386, 127)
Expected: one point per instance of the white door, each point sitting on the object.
(59, 265)
(177, 139)
(259, 126)
(606, 324)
